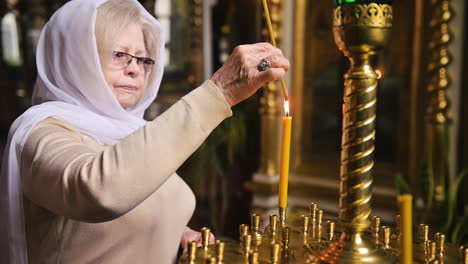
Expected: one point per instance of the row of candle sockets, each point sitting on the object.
(311, 230)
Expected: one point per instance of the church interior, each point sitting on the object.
(376, 90)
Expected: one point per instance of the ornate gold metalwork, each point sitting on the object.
(371, 15)
(270, 107)
(437, 117)
(360, 31)
(359, 43)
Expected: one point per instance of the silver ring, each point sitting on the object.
(264, 65)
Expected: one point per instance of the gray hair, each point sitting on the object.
(114, 15)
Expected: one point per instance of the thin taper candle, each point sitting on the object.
(273, 42)
(284, 161)
(406, 221)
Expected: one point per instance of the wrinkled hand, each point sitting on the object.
(192, 235)
(239, 77)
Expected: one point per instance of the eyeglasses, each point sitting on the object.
(123, 59)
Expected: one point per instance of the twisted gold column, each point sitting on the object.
(360, 31)
(437, 111)
(357, 143)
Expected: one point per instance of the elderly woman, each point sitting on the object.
(84, 178)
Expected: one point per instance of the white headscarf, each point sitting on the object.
(71, 85)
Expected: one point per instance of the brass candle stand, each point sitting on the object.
(313, 240)
(360, 30)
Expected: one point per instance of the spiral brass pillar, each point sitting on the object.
(360, 30)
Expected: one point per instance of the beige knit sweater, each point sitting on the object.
(88, 203)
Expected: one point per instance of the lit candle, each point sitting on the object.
(406, 219)
(286, 136)
(284, 162)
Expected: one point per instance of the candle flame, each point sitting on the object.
(286, 107)
(379, 73)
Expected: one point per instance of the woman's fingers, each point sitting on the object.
(189, 235)
(241, 76)
(271, 74)
(212, 238)
(277, 62)
(192, 235)
(279, 66)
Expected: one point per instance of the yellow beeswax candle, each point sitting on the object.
(284, 161)
(406, 222)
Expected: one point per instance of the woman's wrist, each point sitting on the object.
(217, 80)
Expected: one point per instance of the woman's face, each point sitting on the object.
(127, 80)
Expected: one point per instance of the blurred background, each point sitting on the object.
(235, 172)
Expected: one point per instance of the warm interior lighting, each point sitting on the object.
(379, 73)
(286, 107)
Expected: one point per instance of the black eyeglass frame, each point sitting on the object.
(147, 62)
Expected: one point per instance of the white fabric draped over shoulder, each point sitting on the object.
(71, 85)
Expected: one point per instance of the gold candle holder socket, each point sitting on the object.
(253, 258)
(313, 210)
(219, 251)
(440, 243)
(397, 234)
(304, 223)
(205, 232)
(282, 216)
(432, 248)
(318, 228)
(211, 260)
(255, 222)
(275, 254)
(330, 230)
(191, 251)
(273, 224)
(386, 236)
(313, 221)
(246, 244)
(285, 236)
(398, 224)
(423, 232)
(319, 217)
(461, 251)
(243, 230)
(375, 222)
(255, 230)
(464, 256)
